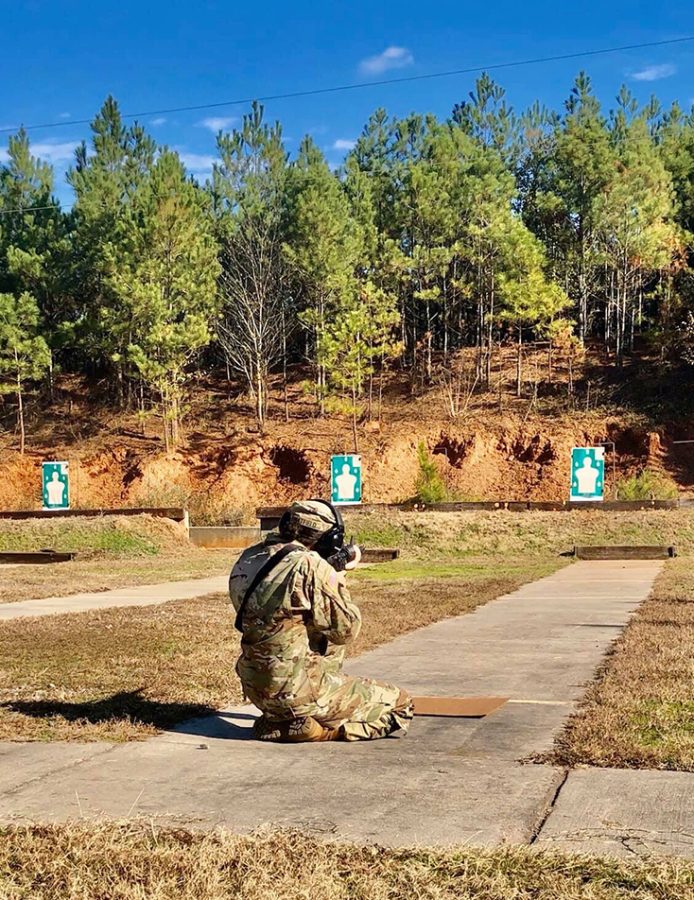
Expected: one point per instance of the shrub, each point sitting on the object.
(429, 486)
(647, 485)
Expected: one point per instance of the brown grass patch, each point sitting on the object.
(640, 711)
(432, 535)
(123, 674)
(104, 574)
(130, 862)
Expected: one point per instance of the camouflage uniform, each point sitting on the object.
(295, 627)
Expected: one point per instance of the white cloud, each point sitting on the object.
(54, 151)
(64, 115)
(217, 123)
(160, 120)
(654, 73)
(198, 164)
(343, 144)
(391, 58)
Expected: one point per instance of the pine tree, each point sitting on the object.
(636, 234)
(528, 299)
(167, 282)
(324, 244)
(106, 182)
(24, 354)
(34, 245)
(585, 165)
(487, 118)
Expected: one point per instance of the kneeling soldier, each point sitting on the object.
(296, 616)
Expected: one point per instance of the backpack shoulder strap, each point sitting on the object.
(260, 575)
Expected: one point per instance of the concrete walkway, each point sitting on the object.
(449, 781)
(142, 595)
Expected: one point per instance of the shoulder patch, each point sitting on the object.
(333, 579)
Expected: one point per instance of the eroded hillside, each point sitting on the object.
(226, 466)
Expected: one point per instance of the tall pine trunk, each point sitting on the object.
(20, 416)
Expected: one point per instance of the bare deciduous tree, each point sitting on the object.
(255, 289)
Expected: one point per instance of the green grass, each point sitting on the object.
(410, 570)
(373, 534)
(655, 720)
(121, 543)
(133, 536)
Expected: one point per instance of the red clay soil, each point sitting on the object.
(226, 466)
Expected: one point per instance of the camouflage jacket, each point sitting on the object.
(291, 623)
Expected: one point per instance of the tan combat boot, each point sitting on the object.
(293, 731)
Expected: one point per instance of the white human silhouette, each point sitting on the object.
(55, 490)
(346, 483)
(587, 476)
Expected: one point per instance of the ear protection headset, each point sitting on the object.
(330, 541)
(334, 539)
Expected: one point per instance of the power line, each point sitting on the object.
(23, 209)
(361, 85)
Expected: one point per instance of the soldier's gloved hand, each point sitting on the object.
(346, 558)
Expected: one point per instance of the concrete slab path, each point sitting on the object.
(142, 595)
(449, 781)
(623, 812)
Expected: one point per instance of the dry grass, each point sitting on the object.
(59, 580)
(640, 711)
(431, 535)
(112, 552)
(122, 674)
(133, 862)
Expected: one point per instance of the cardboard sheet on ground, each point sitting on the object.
(457, 707)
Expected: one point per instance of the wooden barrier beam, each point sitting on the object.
(270, 515)
(652, 551)
(165, 512)
(379, 554)
(34, 557)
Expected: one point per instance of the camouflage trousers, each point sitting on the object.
(362, 709)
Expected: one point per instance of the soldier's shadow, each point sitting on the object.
(228, 725)
(132, 707)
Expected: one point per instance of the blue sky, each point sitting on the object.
(60, 58)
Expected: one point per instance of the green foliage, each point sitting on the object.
(168, 286)
(105, 179)
(24, 354)
(351, 319)
(434, 236)
(34, 247)
(429, 486)
(647, 485)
